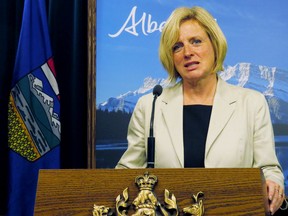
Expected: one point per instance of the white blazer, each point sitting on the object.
(240, 133)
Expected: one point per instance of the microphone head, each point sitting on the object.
(157, 90)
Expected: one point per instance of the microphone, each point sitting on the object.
(157, 91)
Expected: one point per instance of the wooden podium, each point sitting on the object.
(226, 191)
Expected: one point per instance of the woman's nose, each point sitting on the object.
(188, 51)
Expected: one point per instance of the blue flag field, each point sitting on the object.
(34, 126)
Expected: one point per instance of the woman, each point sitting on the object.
(202, 121)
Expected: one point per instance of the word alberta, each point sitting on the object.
(145, 22)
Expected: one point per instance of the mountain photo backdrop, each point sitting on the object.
(128, 65)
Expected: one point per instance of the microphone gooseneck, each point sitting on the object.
(157, 91)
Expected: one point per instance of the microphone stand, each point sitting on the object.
(151, 139)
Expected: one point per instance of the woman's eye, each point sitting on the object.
(177, 47)
(196, 41)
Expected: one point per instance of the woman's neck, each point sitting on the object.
(201, 92)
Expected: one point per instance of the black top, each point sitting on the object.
(195, 128)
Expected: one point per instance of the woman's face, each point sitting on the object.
(193, 54)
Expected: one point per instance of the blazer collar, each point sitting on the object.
(172, 110)
(223, 108)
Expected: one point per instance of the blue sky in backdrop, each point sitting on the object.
(256, 32)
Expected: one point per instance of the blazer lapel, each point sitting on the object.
(172, 109)
(223, 108)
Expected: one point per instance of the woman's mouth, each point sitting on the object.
(191, 65)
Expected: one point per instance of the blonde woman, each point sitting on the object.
(202, 121)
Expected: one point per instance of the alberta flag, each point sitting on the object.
(34, 111)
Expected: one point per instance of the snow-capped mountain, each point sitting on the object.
(270, 81)
(126, 102)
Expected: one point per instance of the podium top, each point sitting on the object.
(226, 191)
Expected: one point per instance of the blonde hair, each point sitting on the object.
(170, 35)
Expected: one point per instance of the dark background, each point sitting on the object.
(68, 33)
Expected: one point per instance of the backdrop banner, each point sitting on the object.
(127, 48)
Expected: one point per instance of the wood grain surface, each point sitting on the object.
(74, 192)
